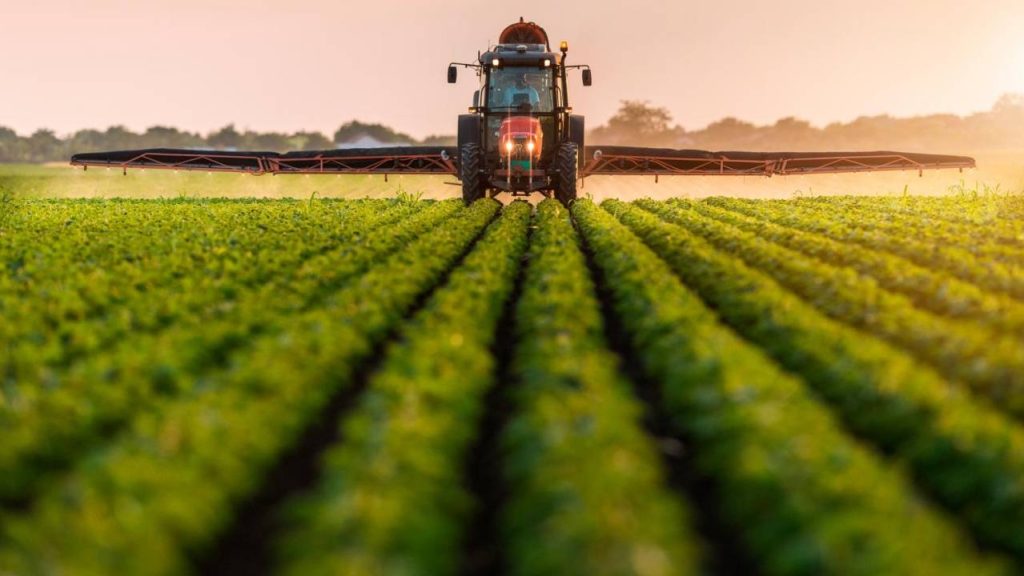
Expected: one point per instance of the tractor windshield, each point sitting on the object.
(524, 89)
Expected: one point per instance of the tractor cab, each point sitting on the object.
(520, 136)
(520, 105)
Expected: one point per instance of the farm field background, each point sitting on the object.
(997, 171)
(326, 386)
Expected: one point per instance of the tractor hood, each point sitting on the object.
(520, 136)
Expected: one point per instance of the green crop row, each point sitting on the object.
(989, 217)
(803, 497)
(78, 310)
(585, 488)
(102, 224)
(160, 493)
(926, 252)
(53, 418)
(130, 239)
(76, 265)
(990, 362)
(935, 291)
(976, 239)
(391, 499)
(992, 224)
(35, 227)
(965, 454)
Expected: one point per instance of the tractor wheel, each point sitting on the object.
(470, 164)
(567, 166)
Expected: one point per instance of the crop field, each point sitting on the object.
(825, 385)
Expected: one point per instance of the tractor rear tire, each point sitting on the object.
(567, 166)
(470, 164)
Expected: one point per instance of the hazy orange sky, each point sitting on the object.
(286, 66)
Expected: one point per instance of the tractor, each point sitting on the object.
(521, 135)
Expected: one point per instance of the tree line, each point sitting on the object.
(636, 123)
(1002, 127)
(45, 146)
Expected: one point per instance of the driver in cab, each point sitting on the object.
(519, 92)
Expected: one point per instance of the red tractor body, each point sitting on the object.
(521, 138)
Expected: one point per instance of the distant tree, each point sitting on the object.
(1012, 103)
(354, 130)
(726, 133)
(440, 140)
(44, 146)
(227, 138)
(120, 138)
(162, 136)
(870, 130)
(922, 133)
(88, 141)
(1005, 123)
(641, 118)
(638, 123)
(791, 134)
(309, 141)
(272, 141)
(10, 145)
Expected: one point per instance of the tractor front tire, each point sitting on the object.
(470, 164)
(567, 166)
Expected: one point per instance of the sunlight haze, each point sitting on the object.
(199, 65)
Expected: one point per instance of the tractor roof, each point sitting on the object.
(519, 55)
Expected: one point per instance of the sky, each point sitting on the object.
(313, 65)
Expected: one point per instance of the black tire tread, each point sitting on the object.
(470, 163)
(567, 165)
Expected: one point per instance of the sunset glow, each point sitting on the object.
(199, 65)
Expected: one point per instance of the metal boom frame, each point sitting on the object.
(603, 161)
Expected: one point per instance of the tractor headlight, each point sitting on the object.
(495, 62)
(509, 146)
(547, 62)
(530, 146)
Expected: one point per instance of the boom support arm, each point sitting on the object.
(626, 160)
(396, 160)
(600, 161)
